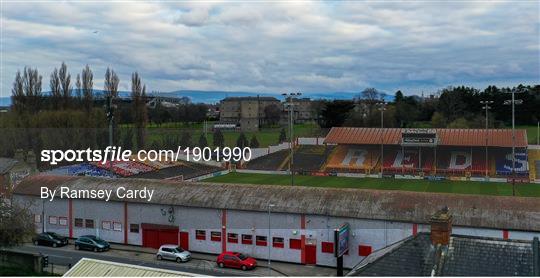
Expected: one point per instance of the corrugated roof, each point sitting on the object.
(517, 213)
(446, 136)
(97, 268)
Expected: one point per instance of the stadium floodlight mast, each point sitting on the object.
(382, 108)
(289, 97)
(513, 102)
(486, 107)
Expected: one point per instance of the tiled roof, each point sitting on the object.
(446, 136)
(517, 213)
(464, 256)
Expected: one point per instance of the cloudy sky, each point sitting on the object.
(278, 46)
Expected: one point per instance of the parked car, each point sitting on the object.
(92, 243)
(236, 260)
(50, 239)
(174, 253)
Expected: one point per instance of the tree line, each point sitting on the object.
(455, 107)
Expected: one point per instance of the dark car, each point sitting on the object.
(236, 260)
(50, 239)
(92, 243)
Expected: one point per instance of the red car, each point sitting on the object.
(236, 260)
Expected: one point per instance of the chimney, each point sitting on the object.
(441, 227)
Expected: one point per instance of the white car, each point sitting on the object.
(173, 253)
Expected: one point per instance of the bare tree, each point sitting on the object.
(32, 88)
(54, 84)
(65, 84)
(140, 115)
(111, 83)
(17, 93)
(87, 88)
(78, 87)
(16, 224)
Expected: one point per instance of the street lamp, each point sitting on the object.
(382, 108)
(289, 97)
(269, 240)
(486, 107)
(513, 102)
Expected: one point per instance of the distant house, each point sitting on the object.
(248, 112)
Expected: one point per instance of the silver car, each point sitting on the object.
(173, 253)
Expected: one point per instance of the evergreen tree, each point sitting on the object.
(282, 136)
(242, 141)
(254, 142)
(185, 141)
(202, 141)
(219, 140)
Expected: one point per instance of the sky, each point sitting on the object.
(277, 46)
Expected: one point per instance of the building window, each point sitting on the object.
(62, 221)
(327, 247)
(106, 225)
(215, 236)
(247, 239)
(134, 228)
(78, 222)
(295, 243)
(232, 238)
(117, 226)
(278, 242)
(89, 223)
(37, 218)
(260, 241)
(53, 220)
(364, 250)
(200, 234)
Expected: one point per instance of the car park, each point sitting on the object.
(236, 260)
(50, 239)
(93, 243)
(173, 253)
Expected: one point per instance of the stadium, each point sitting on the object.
(417, 152)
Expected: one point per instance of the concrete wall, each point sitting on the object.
(318, 228)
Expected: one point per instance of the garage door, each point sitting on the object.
(156, 235)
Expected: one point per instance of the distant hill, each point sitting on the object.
(216, 96)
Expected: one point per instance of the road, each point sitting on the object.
(67, 255)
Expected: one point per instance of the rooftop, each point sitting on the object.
(464, 256)
(500, 212)
(446, 136)
(98, 268)
(250, 98)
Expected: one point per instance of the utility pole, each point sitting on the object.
(486, 107)
(382, 108)
(289, 97)
(269, 241)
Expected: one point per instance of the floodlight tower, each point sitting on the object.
(514, 102)
(382, 108)
(289, 97)
(486, 107)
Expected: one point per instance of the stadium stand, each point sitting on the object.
(124, 168)
(534, 164)
(184, 170)
(310, 157)
(270, 162)
(352, 158)
(83, 169)
(454, 152)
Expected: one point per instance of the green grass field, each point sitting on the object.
(461, 187)
(266, 136)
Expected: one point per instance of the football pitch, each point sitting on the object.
(461, 187)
